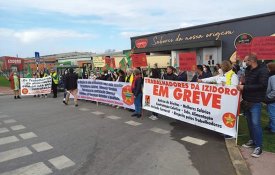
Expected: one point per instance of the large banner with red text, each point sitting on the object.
(209, 106)
(113, 93)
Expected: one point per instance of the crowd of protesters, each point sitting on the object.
(254, 79)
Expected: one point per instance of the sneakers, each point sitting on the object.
(249, 144)
(152, 117)
(257, 152)
(134, 115)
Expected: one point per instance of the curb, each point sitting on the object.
(237, 158)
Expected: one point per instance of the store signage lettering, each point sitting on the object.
(14, 61)
(159, 40)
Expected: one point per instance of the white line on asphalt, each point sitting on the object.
(14, 153)
(113, 117)
(17, 127)
(97, 113)
(133, 123)
(9, 121)
(159, 130)
(6, 140)
(84, 109)
(3, 130)
(27, 135)
(61, 162)
(37, 168)
(4, 116)
(44, 146)
(194, 140)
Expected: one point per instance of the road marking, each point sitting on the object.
(9, 121)
(37, 168)
(17, 127)
(27, 135)
(61, 162)
(3, 130)
(194, 140)
(159, 130)
(97, 113)
(44, 146)
(133, 123)
(4, 116)
(6, 140)
(14, 153)
(113, 117)
(84, 109)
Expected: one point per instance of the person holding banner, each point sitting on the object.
(43, 75)
(54, 82)
(200, 74)
(71, 86)
(228, 78)
(129, 76)
(137, 91)
(170, 74)
(14, 84)
(253, 93)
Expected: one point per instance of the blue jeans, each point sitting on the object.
(138, 103)
(271, 112)
(253, 117)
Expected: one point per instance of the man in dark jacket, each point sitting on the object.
(71, 86)
(170, 74)
(137, 91)
(200, 74)
(182, 76)
(253, 93)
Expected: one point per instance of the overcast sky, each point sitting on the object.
(58, 26)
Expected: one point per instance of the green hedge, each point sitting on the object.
(4, 82)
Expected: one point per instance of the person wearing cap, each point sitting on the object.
(54, 76)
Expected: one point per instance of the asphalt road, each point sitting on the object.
(43, 136)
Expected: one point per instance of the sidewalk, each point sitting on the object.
(264, 165)
(5, 91)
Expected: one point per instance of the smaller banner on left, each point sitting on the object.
(35, 86)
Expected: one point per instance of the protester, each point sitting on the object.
(36, 75)
(137, 92)
(229, 78)
(15, 84)
(217, 70)
(54, 82)
(253, 93)
(270, 97)
(155, 73)
(200, 74)
(71, 86)
(129, 75)
(63, 78)
(207, 70)
(121, 76)
(182, 75)
(170, 74)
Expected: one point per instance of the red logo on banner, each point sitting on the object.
(187, 61)
(127, 95)
(229, 120)
(139, 60)
(141, 43)
(25, 91)
(147, 100)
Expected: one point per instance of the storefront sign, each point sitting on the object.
(187, 61)
(98, 62)
(114, 93)
(139, 60)
(243, 38)
(35, 86)
(264, 47)
(209, 106)
(13, 61)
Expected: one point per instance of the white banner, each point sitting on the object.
(35, 86)
(115, 93)
(209, 106)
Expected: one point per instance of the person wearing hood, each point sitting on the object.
(228, 78)
(14, 84)
(270, 97)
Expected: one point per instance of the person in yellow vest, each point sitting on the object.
(129, 76)
(228, 77)
(55, 78)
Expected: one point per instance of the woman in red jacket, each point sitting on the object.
(14, 84)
